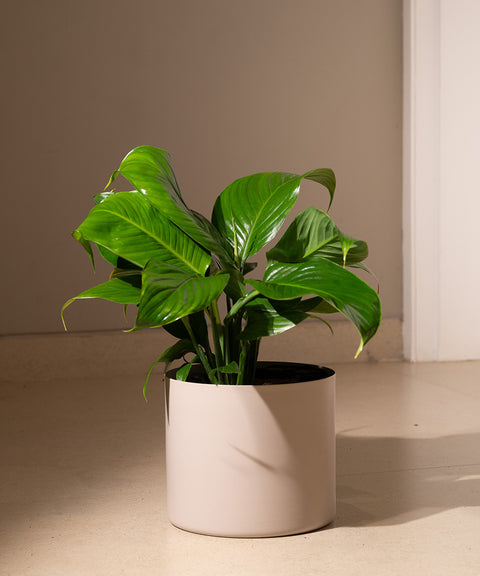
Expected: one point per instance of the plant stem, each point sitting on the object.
(241, 362)
(217, 336)
(251, 361)
(239, 303)
(199, 351)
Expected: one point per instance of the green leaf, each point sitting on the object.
(365, 268)
(127, 272)
(114, 290)
(313, 234)
(197, 323)
(149, 170)
(86, 245)
(251, 210)
(178, 350)
(128, 225)
(308, 233)
(323, 307)
(269, 317)
(108, 256)
(170, 293)
(343, 254)
(347, 293)
(230, 368)
(99, 198)
(326, 177)
(183, 372)
(236, 288)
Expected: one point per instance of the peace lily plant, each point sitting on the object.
(175, 265)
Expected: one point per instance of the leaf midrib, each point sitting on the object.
(251, 235)
(101, 207)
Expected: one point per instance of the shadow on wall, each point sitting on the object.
(409, 478)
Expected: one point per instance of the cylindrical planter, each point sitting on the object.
(251, 461)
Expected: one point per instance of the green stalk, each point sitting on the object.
(241, 362)
(236, 345)
(226, 334)
(217, 339)
(199, 351)
(251, 361)
(240, 303)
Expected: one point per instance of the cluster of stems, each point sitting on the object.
(227, 359)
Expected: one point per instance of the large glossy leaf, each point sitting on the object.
(128, 225)
(251, 210)
(338, 286)
(269, 317)
(149, 170)
(170, 293)
(309, 231)
(314, 234)
(114, 290)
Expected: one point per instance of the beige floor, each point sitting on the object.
(82, 482)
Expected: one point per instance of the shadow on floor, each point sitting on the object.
(65, 444)
(406, 479)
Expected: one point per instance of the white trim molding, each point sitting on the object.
(441, 196)
(421, 153)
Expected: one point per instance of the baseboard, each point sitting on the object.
(83, 355)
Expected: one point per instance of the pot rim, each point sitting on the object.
(321, 373)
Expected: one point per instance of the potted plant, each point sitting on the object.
(250, 445)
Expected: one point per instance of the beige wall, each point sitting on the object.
(228, 87)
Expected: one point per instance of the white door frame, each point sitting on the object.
(441, 190)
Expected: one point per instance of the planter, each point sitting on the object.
(252, 461)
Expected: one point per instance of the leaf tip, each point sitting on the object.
(111, 179)
(360, 348)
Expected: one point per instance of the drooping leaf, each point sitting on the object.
(174, 352)
(149, 170)
(170, 293)
(251, 210)
(128, 225)
(326, 177)
(114, 290)
(350, 295)
(108, 256)
(86, 245)
(365, 268)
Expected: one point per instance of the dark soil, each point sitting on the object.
(272, 373)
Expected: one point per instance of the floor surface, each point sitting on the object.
(82, 482)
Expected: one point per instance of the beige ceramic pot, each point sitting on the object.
(251, 461)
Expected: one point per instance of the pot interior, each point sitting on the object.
(271, 373)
